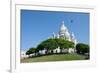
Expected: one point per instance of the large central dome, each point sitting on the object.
(64, 31)
(63, 28)
(65, 34)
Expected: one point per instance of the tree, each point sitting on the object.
(31, 51)
(51, 44)
(48, 44)
(82, 48)
(64, 44)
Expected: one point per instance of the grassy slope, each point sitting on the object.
(58, 57)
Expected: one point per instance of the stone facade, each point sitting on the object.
(63, 33)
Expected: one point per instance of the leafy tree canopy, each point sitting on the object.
(30, 51)
(82, 48)
(54, 43)
(48, 44)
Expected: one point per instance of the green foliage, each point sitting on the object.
(48, 44)
(41, 46)
(30, 51)
(51, 44)
(82, 48)
(64, 43)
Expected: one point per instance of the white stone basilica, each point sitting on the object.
(64, 33)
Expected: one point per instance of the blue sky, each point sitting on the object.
(37, 26)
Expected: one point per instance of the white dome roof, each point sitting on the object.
(63, 27)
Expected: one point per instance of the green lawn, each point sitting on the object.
(56, 57)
